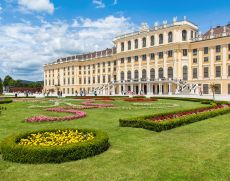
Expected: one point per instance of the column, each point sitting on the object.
(165, 65)
(160, 88)
(212, 63)
(148, 89)
(139, 68)
(148, 67)
(170, 88)
(139, 88)
(119, 75)
(179, 65)
(189, 65)
(200, 62)
(156, 66)
(175, 73)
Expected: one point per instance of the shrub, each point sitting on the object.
(12, 151)
(146, 123)
(5, 100)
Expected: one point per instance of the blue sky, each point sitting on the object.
(34, 32)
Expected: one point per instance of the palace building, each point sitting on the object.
(165, 59)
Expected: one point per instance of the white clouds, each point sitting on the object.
(37, 5)
(99, 3)
(115, 2)
(25, 47)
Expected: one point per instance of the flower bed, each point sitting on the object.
(5, 100)
(166, 121)
(54, 145)
(139, 99)
(91, 103)
(77, 114)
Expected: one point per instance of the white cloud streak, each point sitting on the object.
(25, 47)
(99, 3)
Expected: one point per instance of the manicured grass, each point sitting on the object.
(199, 151)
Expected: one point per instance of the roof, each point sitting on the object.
(218, 30)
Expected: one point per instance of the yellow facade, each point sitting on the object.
(167, 59)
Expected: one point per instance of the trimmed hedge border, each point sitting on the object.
(5, 100)
(146, 123)
(14, 152)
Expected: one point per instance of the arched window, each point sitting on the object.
(144, 42)
(170, 37)
(152, 74)
(136, 43)
(161, 39)
(185, 72)
(184, 35)
(161, 73)
(129, 75)
(129, 45)
(170, 72)
(136, 74)
(152, 41)
(144, 76)
(122, 76)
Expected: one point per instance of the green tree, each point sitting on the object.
(1, 86)
(8, 80)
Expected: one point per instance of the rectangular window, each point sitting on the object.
(152, 56)
(114, 63)
(218, 58)
(122, 60)
(170, 53)
(129, 59)
(103, 79)
(194, 60)
(205, 50)
(194, 73)
(218, 71)
(229, 70)
(205, 59)
(218, 89)
(136, 58)
(143, 57)
(122, 46)
(160, 55)
(185, 52)
(228, 88)
(205, 89)
(229, 47)
(228, 56)
(218, 49)
(98, 79)
(194, 52)
(206, 72)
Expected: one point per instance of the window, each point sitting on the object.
(218, 58)
(109, 78)
(129, 59)
(129, 45)
(218, 89)
(136, 58)
(160, 55)
(122, 60)
(122, 75)
(229, 70)
(228, 56)
(129, 75)
(228, 88)
(152, 74)
(206, 72)
(98, 79)
(185, 72)
(136, 74)
(143, 42)
(152, 56)
(194, 73)
(72, 80)
(170, 37)
(228, 47)
(103, 79)
(93, 80)
(161, 39)
(194, 52)
(185, 52)
(184, 35)
(218, 48)
(205, 50)
(152, 41)
(144, 75)
(194, 60)
(136, 43)
(161, 73)
(218, 71)
(122, 46)
(170, 72)
(205, 59)
(170, 53)
(205, 89)
(192, 34)
(143, 57)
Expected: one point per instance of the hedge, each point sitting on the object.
(146, 123)
(14, 152)
(5, 100)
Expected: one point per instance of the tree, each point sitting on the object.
(213, 88)
(1, 86)
(8, 80)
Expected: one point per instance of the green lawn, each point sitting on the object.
(199, 151)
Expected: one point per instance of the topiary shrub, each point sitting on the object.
(5, 100)
(13, 150)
